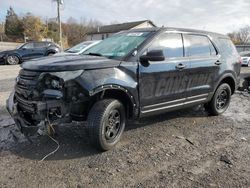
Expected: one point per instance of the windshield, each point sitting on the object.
(119, 45)
(20, 46)
(77, 48)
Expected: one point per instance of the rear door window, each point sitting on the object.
(198, 46)
(170, 43)
(39, 45)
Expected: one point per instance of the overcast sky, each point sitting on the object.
(215, 15)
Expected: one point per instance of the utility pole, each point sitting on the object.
(59, 3)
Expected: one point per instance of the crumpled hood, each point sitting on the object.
(69, 62)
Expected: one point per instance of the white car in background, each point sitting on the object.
(245, 57)
(82, 47)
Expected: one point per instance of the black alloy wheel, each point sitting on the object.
(106, 122)
(220, 101)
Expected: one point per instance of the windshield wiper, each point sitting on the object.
(93, 54)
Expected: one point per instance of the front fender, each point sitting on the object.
(94, 81)
(14, 53)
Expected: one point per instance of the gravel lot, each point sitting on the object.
(180, 149)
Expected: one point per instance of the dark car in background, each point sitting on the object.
(29, 50)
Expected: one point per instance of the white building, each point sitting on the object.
(242, 48)
(108, 30)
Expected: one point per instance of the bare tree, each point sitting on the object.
(242, 36)
(233, 37)
(33, 27)
(1, 31)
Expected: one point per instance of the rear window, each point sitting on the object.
(227, 47)
(198, 46)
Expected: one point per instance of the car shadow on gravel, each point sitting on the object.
(197, 111)
(73, 139)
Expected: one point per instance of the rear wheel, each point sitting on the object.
(106, 123)
(12, 60)
(220, 100)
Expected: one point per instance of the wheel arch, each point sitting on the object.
(120, 93)
(230, 80)
(113, 83)
(50, 51)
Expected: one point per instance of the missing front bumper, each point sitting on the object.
(22, 125)
(40, 111)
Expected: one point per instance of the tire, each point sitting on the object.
(220, 101)
(106, 122)
(12, 60)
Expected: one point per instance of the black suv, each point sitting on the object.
(28, 51)
(130, 75)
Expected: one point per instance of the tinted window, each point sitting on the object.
(39, 44)
(196, 45)
(228, 47)
(28, 45)
(170, 43)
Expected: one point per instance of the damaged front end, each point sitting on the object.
(44, 99)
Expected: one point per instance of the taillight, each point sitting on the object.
(240, 61)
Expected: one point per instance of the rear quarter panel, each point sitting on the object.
(230, 66)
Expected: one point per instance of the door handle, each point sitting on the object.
(217, 62)
(180, 66)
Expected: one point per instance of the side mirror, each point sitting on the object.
(24, 48)
(153, 55)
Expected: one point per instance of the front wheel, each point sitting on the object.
(220, 101)
(106, 122)
(12, 60)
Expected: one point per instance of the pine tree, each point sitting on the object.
(13, 26)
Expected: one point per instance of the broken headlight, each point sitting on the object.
(56, 80)
(53, 82)
(67, 75)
